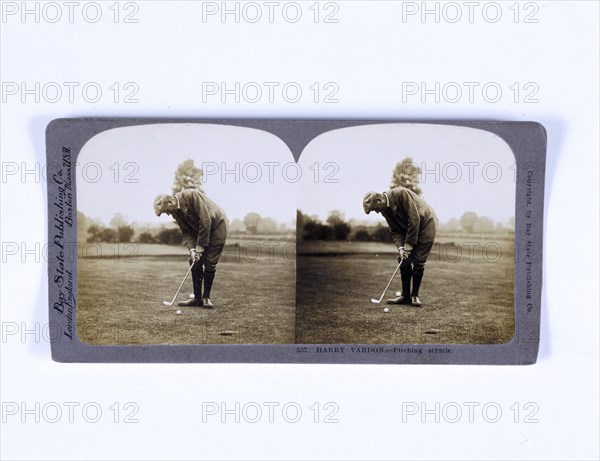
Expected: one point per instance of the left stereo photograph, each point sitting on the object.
(180, 229)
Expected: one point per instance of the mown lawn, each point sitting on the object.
(120, 300)
(467, 299)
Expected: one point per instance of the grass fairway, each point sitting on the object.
(260, 299)
(121, 300)
(466, 300)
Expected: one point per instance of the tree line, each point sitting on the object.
(336, 227)
(119, 230)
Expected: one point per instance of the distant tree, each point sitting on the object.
(266, 226)
(485, 224)
(511, 223)
(118, 220)
(310, 229)
(140, 228)
(124, 233)
(237, 226)
(363, 235)
(335, 217)
(169, 237)
(468, 221)
(314, 229)
(94, 231)
(146, 237)
(325, 232)
(407, 174)
(187, 176)
(340, 229)
(108, 235)
(81, 227)
(453, 224)
(251, 221)
(382, 234)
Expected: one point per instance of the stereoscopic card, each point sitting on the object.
(295, 241)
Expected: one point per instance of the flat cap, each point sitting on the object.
(159, 203)
(369, 201)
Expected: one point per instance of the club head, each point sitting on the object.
(167, 303)
(375, 301)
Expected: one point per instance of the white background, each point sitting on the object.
(368, 54)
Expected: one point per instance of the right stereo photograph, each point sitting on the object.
(405, 235)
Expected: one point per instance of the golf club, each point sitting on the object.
(377, 301)
(167, 303)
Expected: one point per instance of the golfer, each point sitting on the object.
(203, 226)
(413, 225)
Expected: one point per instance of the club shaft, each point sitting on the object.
(390, 282)
(183, 281)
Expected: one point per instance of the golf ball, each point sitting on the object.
(386, 310)
(178, 312)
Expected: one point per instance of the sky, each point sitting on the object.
(464, 169)
(123, 169)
